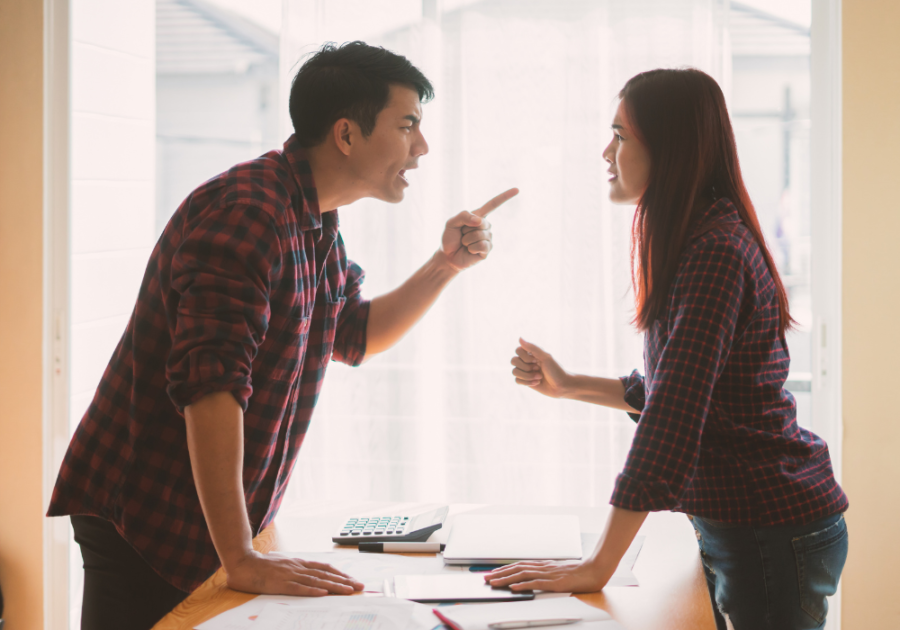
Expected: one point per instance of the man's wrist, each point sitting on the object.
(234, 557)
(444, 266)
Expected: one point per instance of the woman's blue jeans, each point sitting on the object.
(772, 578)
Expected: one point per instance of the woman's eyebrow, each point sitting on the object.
(615, 126)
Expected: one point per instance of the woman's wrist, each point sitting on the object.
(601, 570)
(566, 385)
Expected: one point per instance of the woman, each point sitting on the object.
(717, 435)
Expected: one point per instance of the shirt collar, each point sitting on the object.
(721, 212)
(310, 215)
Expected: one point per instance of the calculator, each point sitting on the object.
(403, 528)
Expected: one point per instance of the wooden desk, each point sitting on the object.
(672, 594)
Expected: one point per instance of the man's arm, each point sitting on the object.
(465, 242)
(215, 438)
(392, 315)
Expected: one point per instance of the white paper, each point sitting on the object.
(478, 616)
(373, 568)
(323, 614)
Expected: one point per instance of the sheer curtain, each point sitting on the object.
(524, 97)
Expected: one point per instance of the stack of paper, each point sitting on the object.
(531, 614)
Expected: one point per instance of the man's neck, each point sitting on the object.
(334, 185)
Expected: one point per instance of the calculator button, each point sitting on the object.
(345, 533)
(367, 533)
(357, 532)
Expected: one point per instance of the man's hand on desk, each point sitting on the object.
(560, 577)
(275, 575)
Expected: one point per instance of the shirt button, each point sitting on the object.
(698, 534)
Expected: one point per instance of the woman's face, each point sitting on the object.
(629, 161)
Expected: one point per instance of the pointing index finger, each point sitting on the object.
(496, 202)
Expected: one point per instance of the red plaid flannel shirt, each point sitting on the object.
(249, 291)
(717, 435)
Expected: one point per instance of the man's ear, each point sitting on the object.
(345, 132)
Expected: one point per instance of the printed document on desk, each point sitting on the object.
(370, 569)
(333, 613)
(278, 612)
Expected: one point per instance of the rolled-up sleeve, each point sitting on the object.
(350, 336)
(634, 393)
(702, 317)
(222, 274)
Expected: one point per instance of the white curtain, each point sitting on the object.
(524, 97)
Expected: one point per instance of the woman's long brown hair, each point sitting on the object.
(681, 117)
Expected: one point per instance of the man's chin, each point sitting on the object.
(395, 196)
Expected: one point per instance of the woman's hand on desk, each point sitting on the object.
(561, 577)
(276, 575)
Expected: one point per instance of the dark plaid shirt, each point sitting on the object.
(249, 291)
(717, 435)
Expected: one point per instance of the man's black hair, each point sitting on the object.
(348, 81)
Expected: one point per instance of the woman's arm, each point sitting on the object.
(589, 575)
(537, 369)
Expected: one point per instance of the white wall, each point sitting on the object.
(113, 168)
(113, 140)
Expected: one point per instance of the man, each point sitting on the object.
(188, 445)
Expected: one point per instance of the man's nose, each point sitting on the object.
(421, 146)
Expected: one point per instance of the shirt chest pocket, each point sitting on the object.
(324, 331)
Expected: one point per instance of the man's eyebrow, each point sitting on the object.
(414, 119)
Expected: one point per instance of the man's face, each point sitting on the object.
(380, 161)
